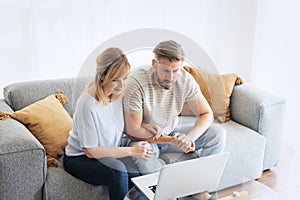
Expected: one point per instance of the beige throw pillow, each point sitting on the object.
(49, 122)
(216, 89)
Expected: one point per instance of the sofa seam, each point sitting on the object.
(7, 100)
(18, 151)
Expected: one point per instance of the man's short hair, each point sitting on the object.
(170, 50)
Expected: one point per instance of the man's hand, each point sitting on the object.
(183, 142)
(154, 129)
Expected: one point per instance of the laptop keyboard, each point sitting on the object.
(152, 188)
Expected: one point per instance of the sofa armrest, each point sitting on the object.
(22, 160)
(263, 112)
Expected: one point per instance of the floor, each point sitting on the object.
(279, 183)
(284, 179)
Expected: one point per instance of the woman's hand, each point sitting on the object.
(154, 129)
(183, 142)
(139, 150)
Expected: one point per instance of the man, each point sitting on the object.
(154, 98)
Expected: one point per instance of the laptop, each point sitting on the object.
(183, 178)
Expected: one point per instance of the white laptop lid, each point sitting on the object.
(184, 178)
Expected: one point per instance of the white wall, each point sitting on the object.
(259, 40)
(41, 39)
(276, 61)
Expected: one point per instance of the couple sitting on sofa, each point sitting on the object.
(153, 99)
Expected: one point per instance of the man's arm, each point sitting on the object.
(135, 130)
(202, 110)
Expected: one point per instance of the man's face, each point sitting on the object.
(165, 72)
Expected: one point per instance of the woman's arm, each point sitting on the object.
(138, 150)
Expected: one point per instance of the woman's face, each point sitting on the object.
(115, 87)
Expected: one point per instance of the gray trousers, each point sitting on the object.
(209, 143)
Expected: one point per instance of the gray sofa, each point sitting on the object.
(253, 140)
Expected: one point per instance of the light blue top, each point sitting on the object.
(95, 125)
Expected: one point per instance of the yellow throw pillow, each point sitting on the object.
(216, 89)
(49, 122)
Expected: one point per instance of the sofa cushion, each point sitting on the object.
(49, 122)
(216, 89)
(62, 185)
(247, 150)
(20, 95)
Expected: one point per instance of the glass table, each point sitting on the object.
(252, 190)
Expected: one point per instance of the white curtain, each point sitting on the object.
(276, 62)
(42, 39)
(259, 40)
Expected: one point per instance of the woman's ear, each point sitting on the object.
(102, 78)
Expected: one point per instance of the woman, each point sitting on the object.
(93, 151)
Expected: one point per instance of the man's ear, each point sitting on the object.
(154, 63)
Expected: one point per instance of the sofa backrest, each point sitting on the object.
(20, 95)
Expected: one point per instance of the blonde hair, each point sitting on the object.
(112, 64)
(170, 50)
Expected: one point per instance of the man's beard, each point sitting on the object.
(163, 83)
